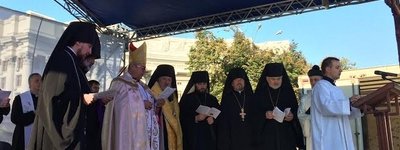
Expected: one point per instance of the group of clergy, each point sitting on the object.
(269, 117)
(139, 116)
(247, 118)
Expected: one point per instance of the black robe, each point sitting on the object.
(21, 120)
(201, 135)
(93, 127)
(272, 134)
(61, 75)
(233, 133)
(93, 122)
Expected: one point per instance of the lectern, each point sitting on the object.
(383, 103)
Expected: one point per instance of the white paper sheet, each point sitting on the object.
(213, 112)
(166, 93)
(89, 98)
(278, 114)
(287, 111)
(203, 110)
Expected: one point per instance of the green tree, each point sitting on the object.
(206, 55)
(294, 62)
(347, 64)
(256, 64)
(243, 53)
(212, 54)
(238, 54)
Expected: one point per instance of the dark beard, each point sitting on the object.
(83, 67)
(85, 70)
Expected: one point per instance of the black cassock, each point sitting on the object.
(21, 120)
(272, 134)
(233, 133)
(64, 104)
(92, 124)
(92, 127)
(201, 135)
(60, 114)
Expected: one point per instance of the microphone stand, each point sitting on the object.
(385, 78)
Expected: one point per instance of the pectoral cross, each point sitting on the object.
(242, 114)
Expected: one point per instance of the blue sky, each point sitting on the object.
(362, 33)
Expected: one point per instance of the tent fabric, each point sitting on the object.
(142, 14)
(139, 14)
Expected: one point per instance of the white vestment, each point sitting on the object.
(304, 118)
(152, 120)
(124, 125)
(27, 106)
(330, 114)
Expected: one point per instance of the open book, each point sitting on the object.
(213, 112)
(166, 93)
(280, 115)
(89, 98)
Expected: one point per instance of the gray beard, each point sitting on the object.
(274, 87)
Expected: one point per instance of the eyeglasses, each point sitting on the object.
(141, 67)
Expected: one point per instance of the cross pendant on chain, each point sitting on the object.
(242, 114)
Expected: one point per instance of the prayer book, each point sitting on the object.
(279, 115)
(166, 93)
(287, 111)
(213, 112)
(89, 98)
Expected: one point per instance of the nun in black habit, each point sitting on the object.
(269, 94)
(234, 130)
(198, 131)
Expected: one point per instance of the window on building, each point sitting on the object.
(4, 65)
(3, 82)
(20, 63)
(18, 80)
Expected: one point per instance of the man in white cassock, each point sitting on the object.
(331, 111)
(314, 75)
(129, 119)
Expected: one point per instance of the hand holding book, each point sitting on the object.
(213, 112)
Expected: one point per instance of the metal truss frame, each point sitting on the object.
(262, 12)
(74, 8)
(79, 12)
